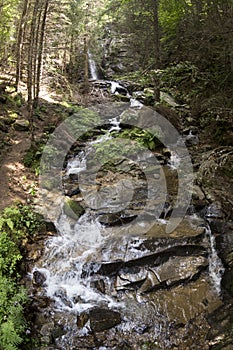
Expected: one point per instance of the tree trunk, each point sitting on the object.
(36, 48)
(40, 52)
(86, 67)
(157, 48)
(20, 37)
(30, 71)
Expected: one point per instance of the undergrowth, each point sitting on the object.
(17, 224)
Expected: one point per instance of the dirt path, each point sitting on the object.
(15, 180)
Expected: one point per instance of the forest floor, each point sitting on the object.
(17, 181)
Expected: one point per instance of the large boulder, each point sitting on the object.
(102, 319)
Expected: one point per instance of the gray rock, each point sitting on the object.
(102, 319)
(73, 209)
(175, 270)
(214, 210)
(39, 278)
(21, 125)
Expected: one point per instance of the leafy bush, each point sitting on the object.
(17, 223)
(145, 138)
(33, 156)
(114, 148)
(126, 143)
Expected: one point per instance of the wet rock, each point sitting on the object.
(82, 319)
(109, 268)
(34, 251)
(99, 285)
(50, 227)
(74, 192)
(47, 328)
(191, 139)
(220, 334)
(224, 245)
(46, 333)
(62, 295)
(73, 209)
(74, 176)
(39, 278)
(152, 281)
(214, 210)
(41, 302)
(217, 226)
(185, 229)
(227, 281)
(110, 219)
(128, 278)
(102, 319)
(175, 270)
(115, 219)
(57, 332)
(21, 125)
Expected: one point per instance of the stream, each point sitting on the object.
(132, 263)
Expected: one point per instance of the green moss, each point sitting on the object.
(72, 209)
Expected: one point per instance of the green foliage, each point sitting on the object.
(19, 222)
(147, 139)
(9, 254)
(115, 148)
(12, 322)
(126, 143)
(16, 224)
(8, 10)
(184, 80)
(171, 13)
(33, 156)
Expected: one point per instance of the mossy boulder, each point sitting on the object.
(73, 209)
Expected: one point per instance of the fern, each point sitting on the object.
(9, 338)
(16, 224)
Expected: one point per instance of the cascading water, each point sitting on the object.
(64, 257)
(92, 67)
(216, 268)
(107, 261)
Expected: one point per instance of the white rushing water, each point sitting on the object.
(216, 268)
(92, 67)
(76, 164)
(174, 160)
(115, 126)
(65, 256)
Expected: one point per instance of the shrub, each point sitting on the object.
(17, 223)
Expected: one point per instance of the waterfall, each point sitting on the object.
(216, 268)
(92, 67)
(66, 255)
(105, 261)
